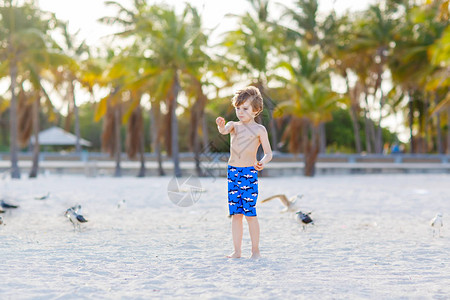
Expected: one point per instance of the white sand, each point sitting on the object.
(372, 239)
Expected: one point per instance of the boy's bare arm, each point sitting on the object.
(224, 129)
(264, 139)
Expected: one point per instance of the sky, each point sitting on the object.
(83, 14)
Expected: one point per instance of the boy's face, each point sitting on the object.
(245, 112)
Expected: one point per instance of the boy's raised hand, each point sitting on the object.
(220, 122)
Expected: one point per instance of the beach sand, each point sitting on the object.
(371, 239)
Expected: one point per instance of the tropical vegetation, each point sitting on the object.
(163, 81)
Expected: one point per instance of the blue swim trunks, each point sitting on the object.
(242, 190)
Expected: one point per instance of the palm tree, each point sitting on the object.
(304, 16)
(110, 107)
(11, 45)
(250, 47)
(193, 82)
(335, 47)
(374, 32)
(440, 83)
(177, 44)
(41, 65)
(70, 75)
(135, 131)
(311, 100)
(412, 69)
(310, 31)
(170, 45)
(24, 44)
(313, 103)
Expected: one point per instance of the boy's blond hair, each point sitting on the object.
(251, 94)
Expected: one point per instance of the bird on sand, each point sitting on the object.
(4, 205)
(304, 218)
(290, 203)
(122, 204)
(437, 223)
(74, 217)
(1, 221)
(45, 197)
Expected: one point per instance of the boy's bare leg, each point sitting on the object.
(253, 228)
(237, 230)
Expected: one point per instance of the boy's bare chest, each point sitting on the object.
(244, 136)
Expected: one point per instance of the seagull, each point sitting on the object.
(122, 204)
(437, 223)
(291, 203)
(75, 218)
(45, 197)
(3, 204)
(304, 218)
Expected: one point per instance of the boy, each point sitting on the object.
(246, 136)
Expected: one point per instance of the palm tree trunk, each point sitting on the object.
(370, 130)
(205, 137)
(411, 121)
(323, 138)
(198, 169)
(194, 136)
(36, 147)
(15, 172)
(353, 115)
(118, 146)
(312, 151)
(174, 125)
(3, 130)
(355, 125)
(197, 113)
(68, 121)
(193, 128)
(272, 125)
(367, 132)
(141, 155)
(77, 118)
(168, 127)
(439, 145)
(379, 135)
(155, 118)
(448, 129)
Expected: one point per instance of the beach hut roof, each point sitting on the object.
(55, 136)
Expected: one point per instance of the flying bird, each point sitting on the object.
(304, 218)
(437, 222)
(290, 204)
(45, 197)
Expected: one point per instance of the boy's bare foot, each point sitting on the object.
(234, 255)
(255, 255)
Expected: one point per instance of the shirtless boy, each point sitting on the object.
(246, 136)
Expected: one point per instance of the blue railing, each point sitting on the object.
(285, 157)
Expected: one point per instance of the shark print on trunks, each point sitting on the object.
(242, 190)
